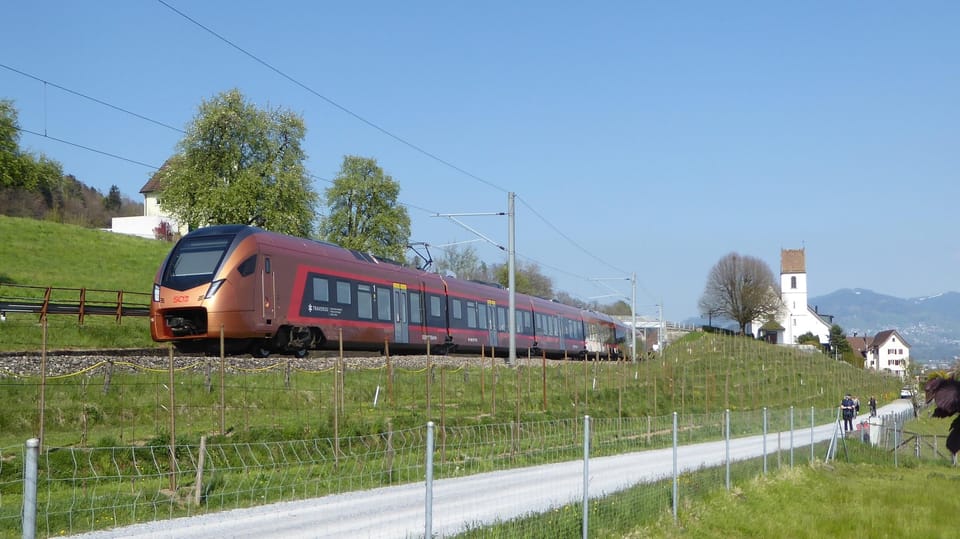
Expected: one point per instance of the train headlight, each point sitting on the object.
(156, 293)
(214, 286)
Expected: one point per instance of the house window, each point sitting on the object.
(793, 282)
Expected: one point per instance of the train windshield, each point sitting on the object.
(195, 260)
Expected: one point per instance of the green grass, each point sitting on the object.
(866, 496)
(698, 377)
(43, 254)
(51, 254)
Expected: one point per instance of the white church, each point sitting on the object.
(797, 318)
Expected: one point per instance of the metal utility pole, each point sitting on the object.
(633, 315)
(511, 280)
(660, 328)
(511, 265)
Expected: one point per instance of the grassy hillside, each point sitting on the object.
(42, 253)
(45, 254)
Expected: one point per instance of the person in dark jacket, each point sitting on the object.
(848, 410)
(873, 406)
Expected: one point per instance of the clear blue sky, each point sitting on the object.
(654, 136)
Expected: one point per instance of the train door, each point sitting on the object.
(268, 291)
(401, 320)
(492, 322)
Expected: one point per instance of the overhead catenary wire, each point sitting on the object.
(90, 98)
(372, 124)
(326, 99)
(331, 102)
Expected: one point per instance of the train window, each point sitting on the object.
(501, 319)
(247, 266)
(266, 265)
(471, 314)
(457, 309)
(364, 301)
(482, 318)
(383, 303)
(343, 293)
(527, 321)
(199, 256)
(414, 307)
(321, 289)
(538, 323)
(435, 306)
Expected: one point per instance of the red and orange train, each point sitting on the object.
(272, 293)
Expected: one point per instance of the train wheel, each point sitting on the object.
(260, 351)
(301, 353)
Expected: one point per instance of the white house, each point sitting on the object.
(797, 317)
(887, 351)
(153, 218)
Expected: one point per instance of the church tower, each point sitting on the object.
(793, 291)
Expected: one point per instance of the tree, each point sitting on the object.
(364, 212)
(567, 299)
(809, 338)
(9, 142)
(113, 201)
(742, 289)
(462, 262)
(841, 347)
(617, 308)
(243, 165)
(528, 279)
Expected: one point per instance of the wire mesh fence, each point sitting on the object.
(90, 488)
(138, 437)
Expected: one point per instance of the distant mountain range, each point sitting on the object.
(930, 325)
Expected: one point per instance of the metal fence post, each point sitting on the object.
(791, 436)
(676, 480)
(812, 420)
(428, 507)
(30, 488)
(727, 440)
(764, 440)
(896, 441)
(586, 474)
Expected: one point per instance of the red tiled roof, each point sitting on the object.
(792, 261)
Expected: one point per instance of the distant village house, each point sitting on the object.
(154, 223)
(886, 351)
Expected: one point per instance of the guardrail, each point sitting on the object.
(47, 300)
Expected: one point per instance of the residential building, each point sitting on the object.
(152, 221)
(887, 351)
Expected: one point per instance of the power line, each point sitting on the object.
(324, 98)
(333, 103)
(89, 149)
(95, 100)
(375, 126)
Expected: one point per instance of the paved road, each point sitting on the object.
(483, 498)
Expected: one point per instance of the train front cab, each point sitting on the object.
(207, 282)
